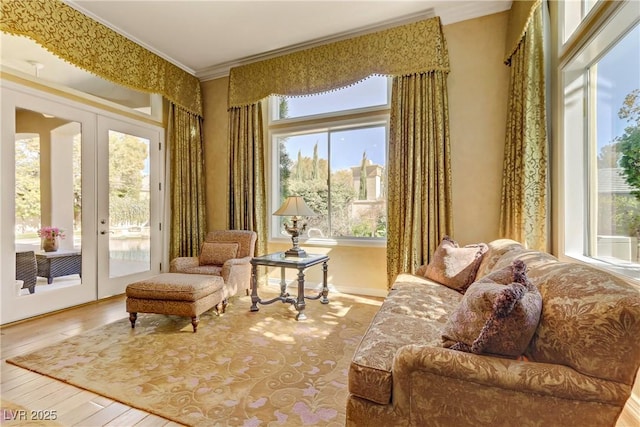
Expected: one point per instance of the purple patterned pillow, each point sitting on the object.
(455, 266)
(498, 314)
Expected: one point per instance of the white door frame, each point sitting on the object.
(17, 307)
(108, 285)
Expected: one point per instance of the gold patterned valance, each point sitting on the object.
(408, 49)
(519, 16)
(88, 44)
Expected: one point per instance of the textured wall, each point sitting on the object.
(478, 85)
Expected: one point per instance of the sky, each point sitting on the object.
(350, 143)
(618, 74)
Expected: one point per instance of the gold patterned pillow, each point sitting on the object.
(455, 266)
(217, 253)
(498, 314)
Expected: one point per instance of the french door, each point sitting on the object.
(94, 175)
(128, 204)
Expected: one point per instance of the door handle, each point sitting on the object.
(103, 232)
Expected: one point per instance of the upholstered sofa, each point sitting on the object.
(578, 368)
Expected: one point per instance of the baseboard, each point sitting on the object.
(334, 288)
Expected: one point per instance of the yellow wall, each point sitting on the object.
(477, 85)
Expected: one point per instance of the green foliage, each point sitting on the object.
(127, 155)
(27, 182)
(629, 142)
(609, 156)
(283, 108)
(618, 215)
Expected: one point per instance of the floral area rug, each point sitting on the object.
(239, 369)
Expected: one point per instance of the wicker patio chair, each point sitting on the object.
(27, 269)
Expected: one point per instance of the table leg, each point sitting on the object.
(300, 305)
(283, 283)
(254, 288)
(325, 289)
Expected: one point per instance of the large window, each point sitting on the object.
(602, 145)
(331, 149)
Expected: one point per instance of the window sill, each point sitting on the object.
(630, 274)
(330, 243)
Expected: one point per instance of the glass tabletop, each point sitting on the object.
(279, 259)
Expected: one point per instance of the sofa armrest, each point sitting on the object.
(236, 273)
(180, 264)
(466, 369)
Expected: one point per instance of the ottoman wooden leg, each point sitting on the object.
(194, 321)
(132, 319)
(221, 307)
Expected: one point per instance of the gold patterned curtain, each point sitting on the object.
(417, 55)
(247, 198)
(524, 204)
(419, 197)
(188, 218)
(88, 44)
(402, 50)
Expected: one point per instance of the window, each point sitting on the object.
(575, 11)
(602, 145)
(331, 149)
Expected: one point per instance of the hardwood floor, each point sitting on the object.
(23, 391)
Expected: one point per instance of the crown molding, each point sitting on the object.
(449, 12)
(74, 5)
(222, 70)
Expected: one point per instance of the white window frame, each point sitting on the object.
(332, 121)
(593, 39)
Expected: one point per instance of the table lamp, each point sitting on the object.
(295, 207)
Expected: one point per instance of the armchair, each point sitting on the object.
(225, 253)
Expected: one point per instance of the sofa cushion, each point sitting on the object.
(217, 253)
(495, 250)
(497, 315)
(455, 266)
(403, 319)
(535, 260)
(175, 287)
(589, 318)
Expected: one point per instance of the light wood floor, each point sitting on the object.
(24, 390)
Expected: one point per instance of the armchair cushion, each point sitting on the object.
(217, 253)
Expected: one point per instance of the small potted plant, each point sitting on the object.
(49, 236)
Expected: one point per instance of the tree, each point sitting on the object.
(127, 156)
(629, 142)
(285, 167)
(609, 156)
(27, 182)
(362, 193)
(314, 174)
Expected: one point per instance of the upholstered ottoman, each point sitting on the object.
(177, 294)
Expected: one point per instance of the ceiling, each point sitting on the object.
(207, 37)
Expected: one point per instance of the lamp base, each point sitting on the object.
(295, 252)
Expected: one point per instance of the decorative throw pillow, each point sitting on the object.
(217, 253)
(497, 315)
(455, 266)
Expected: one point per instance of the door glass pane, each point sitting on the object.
(48, 202)
(617, 134)
(129, 204)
